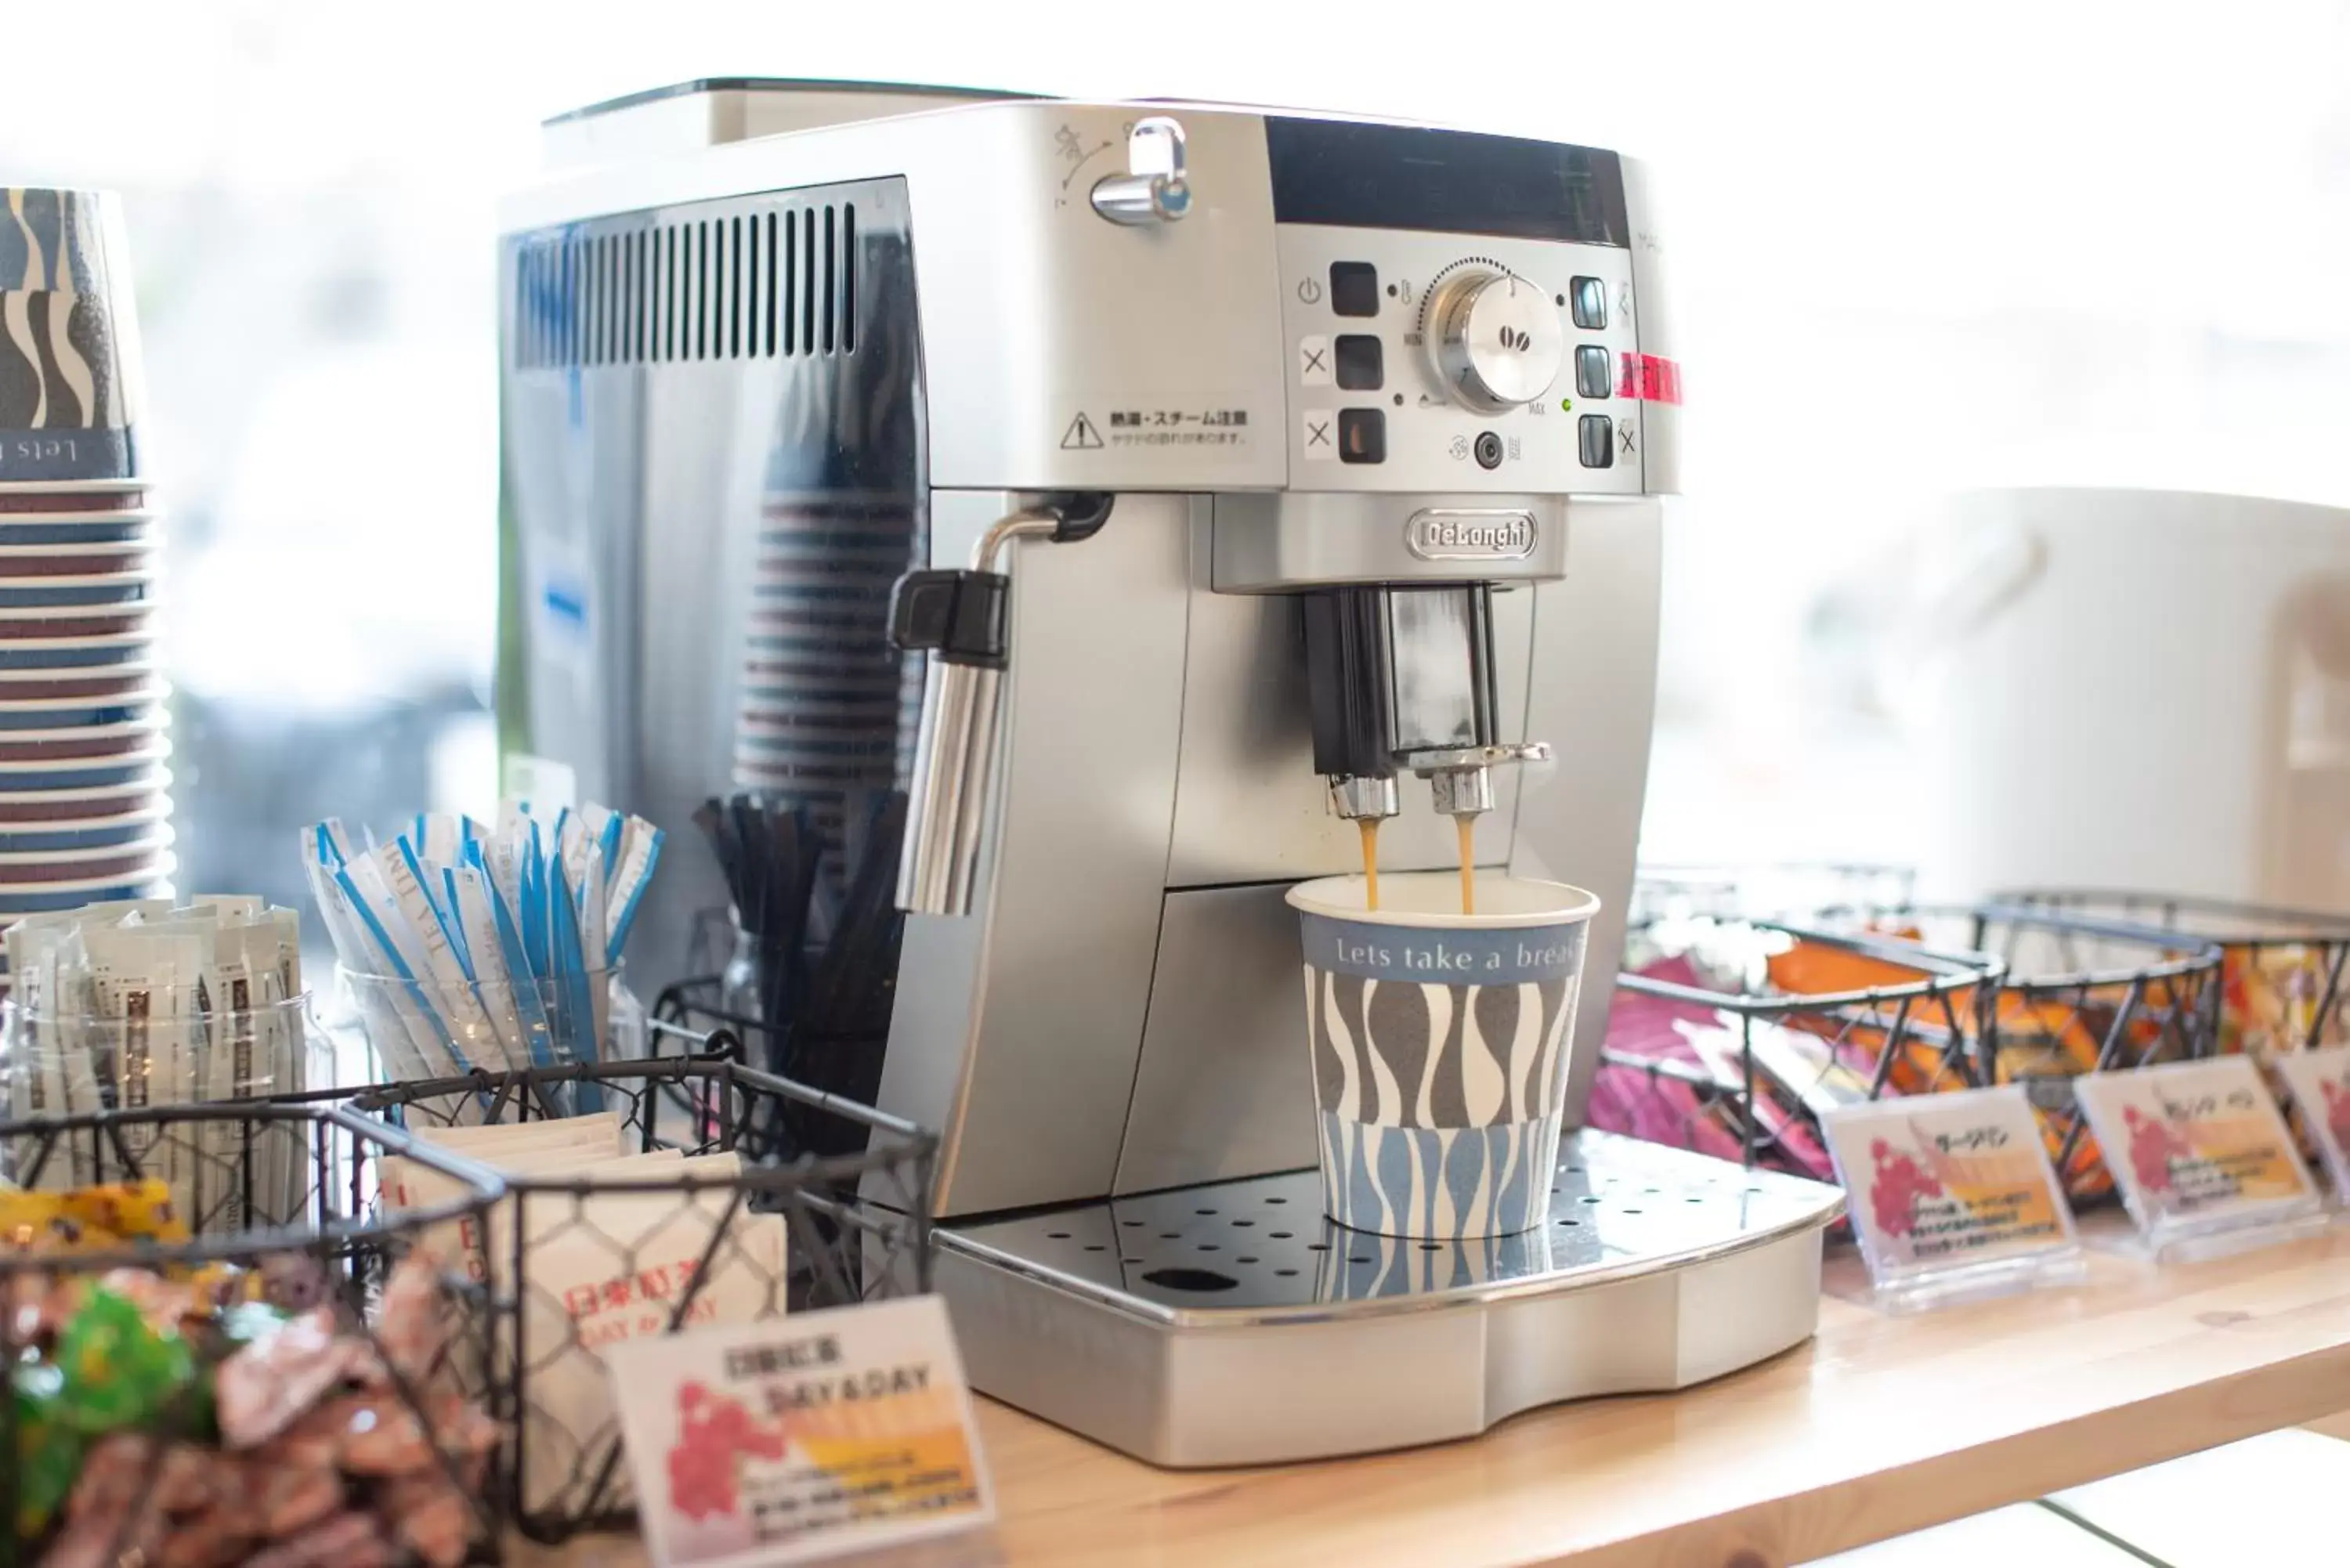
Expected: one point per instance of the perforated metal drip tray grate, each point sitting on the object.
(1262, 1248)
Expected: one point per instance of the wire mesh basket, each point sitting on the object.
(733, 1220)
(282, 1372)
(2051, 996)
(1733, 1037)
(2077, 996)
(2280, 975)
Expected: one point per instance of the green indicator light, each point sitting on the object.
(1566, 405)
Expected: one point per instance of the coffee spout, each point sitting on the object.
(1461, 778)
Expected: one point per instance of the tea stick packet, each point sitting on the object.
(38, 1071)
(146, 987)
(436, 962)
(491, 943)
(383, 945)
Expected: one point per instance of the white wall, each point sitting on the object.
(1917, 247)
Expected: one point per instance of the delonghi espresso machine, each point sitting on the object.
(1091, 513)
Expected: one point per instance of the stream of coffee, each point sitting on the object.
(1369, 826)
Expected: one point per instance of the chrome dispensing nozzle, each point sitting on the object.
(1364, 797)
(1461, 778)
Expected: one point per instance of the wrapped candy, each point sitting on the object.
(378, 1436)
(119, 1370)
(267, 1385)
(105, 1218)
(187, 1424)
(101, 1540)
(346, 1541)
(430, 1516)
(48, 1451)
(285, 1500)
(409, 1324)
(293, 1281)
(164, 1304)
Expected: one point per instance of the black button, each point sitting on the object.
(1489, 450)
(1360, 368)
(1353, 288)
(1591, 380)
(1362, 435)
(1596, 435)
(1587, 294)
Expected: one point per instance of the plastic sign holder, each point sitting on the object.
(1953, 1198)
(845, 1434)
(2202, 1156)
(2319, 1083)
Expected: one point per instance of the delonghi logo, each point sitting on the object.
(1470, 536)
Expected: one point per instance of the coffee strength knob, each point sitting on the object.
(1493, 339)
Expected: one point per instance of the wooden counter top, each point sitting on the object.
(1880, 1426)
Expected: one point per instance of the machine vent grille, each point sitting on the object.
(756, 284)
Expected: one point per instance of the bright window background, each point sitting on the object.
(1912, 249)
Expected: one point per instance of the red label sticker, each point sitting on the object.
(1651, 379)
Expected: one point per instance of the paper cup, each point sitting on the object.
(34, 563)
(61, 652)
(70, 382)
(24, 533)
(48, 899)
(126, 679)
(20, 807)
(86, 832)
(82, 772)
(1439, 1042)
(139, 857)
(93, 741)
(74, 495)
(54, 591)
(139, 705)
(24, 624)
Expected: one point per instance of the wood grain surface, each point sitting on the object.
(1880, 1426)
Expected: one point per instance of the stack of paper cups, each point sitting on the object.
(83, 803)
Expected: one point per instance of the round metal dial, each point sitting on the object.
(1493, 339)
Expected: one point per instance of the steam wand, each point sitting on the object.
(962, 619)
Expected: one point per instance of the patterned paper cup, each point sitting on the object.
(1439, 1045)
(70, 384)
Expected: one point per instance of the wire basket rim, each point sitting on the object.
(1960, 972)
(485, 1187)
(2320, 927)
(2198, 955)
(910, 1139)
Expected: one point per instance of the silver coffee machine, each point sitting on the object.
(1090, 513)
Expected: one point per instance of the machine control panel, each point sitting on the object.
(1446, 362)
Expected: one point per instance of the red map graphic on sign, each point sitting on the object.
(713, 1433)
(2152, 1144)
(1894, 1190)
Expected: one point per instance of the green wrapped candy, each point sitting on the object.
(246, 1322)
(48, 1451)
(119, 1370)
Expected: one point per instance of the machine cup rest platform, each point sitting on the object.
(1232, 1324)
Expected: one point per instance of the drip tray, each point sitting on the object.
(1232, 1324)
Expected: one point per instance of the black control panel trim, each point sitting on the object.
(1366, 176)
